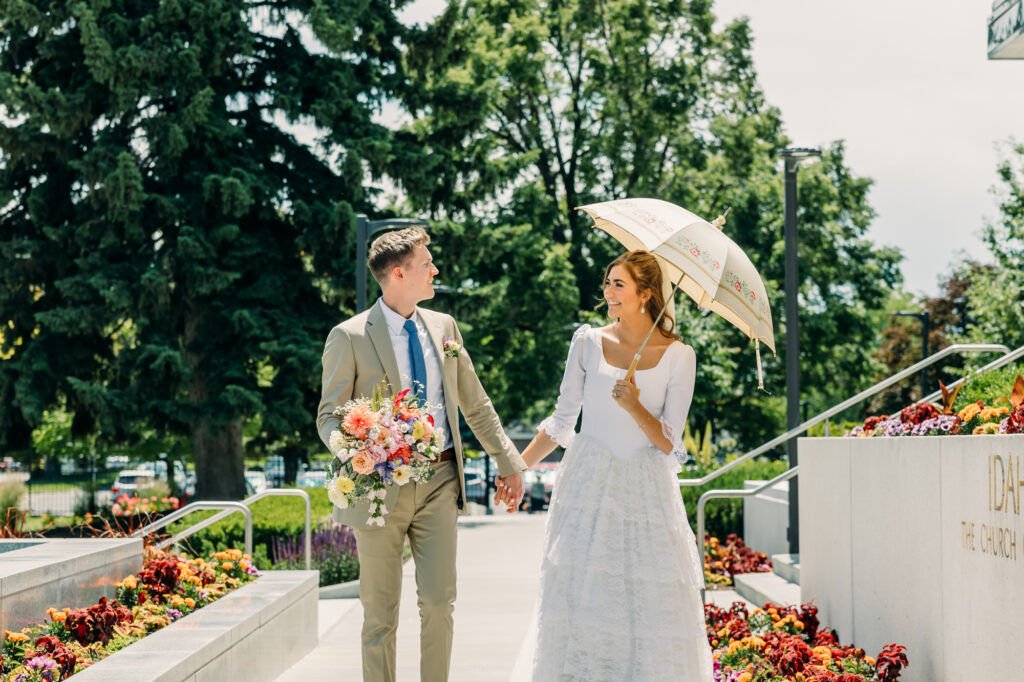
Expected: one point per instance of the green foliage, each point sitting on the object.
(526, 109)
(165, 238)
(275, 516)
(726, 516)
(11, 493)
(989, 386)
(997, 293)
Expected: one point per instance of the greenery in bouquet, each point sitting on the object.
(167, 588)
(780, 643)
(380, 441)
(723, 560)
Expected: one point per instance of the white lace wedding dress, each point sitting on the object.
(620, 580)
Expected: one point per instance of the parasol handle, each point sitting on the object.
(636, 358)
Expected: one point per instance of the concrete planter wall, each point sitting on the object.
(918, 541)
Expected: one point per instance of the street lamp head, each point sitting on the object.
(799, 153)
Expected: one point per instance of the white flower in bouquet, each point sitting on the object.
(375, 521)
(402, 474)
(336, 443)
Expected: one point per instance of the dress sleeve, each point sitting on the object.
(561, 425)
(679, 395)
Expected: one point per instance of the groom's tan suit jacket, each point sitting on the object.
(358, 354)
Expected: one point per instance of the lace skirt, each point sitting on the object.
(620, 581)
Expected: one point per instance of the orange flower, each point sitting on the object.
(359, 418)
(190, 602)
(16, 636)
(227, 565)
(362, 463)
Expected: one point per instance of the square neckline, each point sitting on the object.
(600, 342)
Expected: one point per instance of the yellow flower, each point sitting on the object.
(176, 600)
(970, 412)
(130, 582)
(985, 429)
(744, 677)
(344, 485)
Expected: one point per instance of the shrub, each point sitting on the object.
(988, 386)
(11, 493)
(725, 516)
(272, 517)
(333, 553)
(158, 489)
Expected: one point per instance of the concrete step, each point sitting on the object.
(253, 633)
(723, 599)
(787, 566)
(764, 587)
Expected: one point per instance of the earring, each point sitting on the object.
(642, 309)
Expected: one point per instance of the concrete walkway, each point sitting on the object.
(498, 567)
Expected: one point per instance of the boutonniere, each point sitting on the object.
(451, 347)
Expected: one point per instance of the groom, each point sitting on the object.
(398, 340)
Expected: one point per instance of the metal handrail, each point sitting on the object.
(230, 507)
(751, 492)
(307, 542)
(296, 492)
(868, 392)
(1007, 358)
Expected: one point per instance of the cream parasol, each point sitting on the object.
(699, 258)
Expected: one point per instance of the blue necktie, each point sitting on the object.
(419, 367)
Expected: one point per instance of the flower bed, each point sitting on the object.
(332, 552)
(779, 643)
(723, 560)
(167, 588)
(1004, 414)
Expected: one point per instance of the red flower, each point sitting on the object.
(695, 251)
(890, 662)
(739, 287)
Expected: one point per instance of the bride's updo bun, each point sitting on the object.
(643, 267)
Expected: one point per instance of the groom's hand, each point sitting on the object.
(510, 491)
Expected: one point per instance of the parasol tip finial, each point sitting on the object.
(719, 222)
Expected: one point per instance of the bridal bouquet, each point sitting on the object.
(380, 441)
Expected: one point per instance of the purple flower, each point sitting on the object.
(252, 570)
(1004, 425)
(174, 614)
(855, 431)
(385, 469)
(891, 427)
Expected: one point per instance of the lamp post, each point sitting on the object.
(365, 230)
(925, 330)
(792, 157)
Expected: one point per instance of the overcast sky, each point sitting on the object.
(909, 87)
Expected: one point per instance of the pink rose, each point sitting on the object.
(362, 463)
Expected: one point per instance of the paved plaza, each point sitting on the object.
(499, 570)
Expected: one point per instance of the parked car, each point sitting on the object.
(311, 479)
(476, 487)
(158, 469)
(256, 482)
(129, 481)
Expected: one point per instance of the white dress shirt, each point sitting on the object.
(435, 386)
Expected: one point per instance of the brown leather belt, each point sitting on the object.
(446, 455)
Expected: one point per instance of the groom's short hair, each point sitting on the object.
(393, 249)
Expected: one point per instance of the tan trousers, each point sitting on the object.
(428, 514)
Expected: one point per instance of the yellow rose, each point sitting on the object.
(344, 485)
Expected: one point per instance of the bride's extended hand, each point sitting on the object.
(626, 394)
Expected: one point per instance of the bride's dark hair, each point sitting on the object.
(643, 267)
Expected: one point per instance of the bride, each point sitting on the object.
(620, 580)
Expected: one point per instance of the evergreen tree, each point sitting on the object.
(171, 255)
